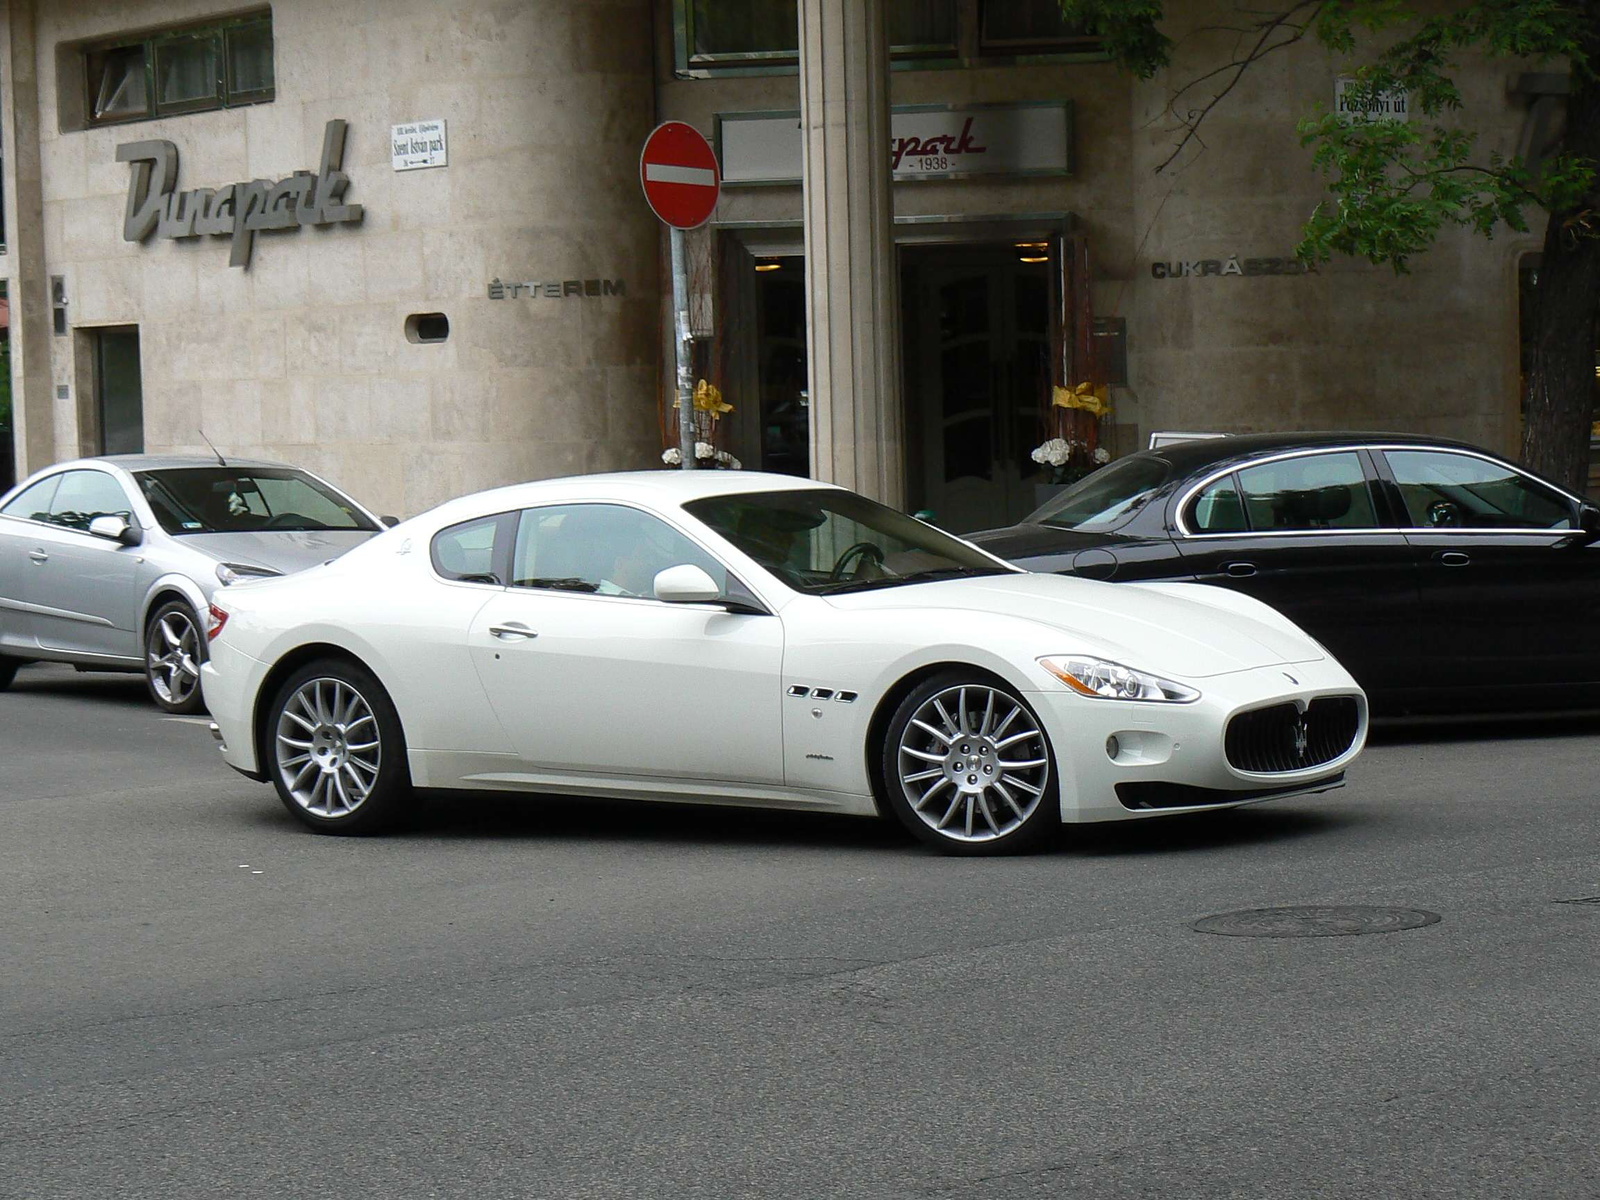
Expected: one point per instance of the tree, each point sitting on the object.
(1394, 186)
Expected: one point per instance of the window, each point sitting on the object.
(835, 541)
(601, 548)
(1029, 27)
(766, 33)
(466, 552)
(235, 500)
(220, 64)
(85, 495)
(33, 503)
(1218, 509)
(427, 327)
(1315, 491)
(1442, 490)
(1106, 498)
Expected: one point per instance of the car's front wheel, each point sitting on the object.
(967, 767)
(335, 749)
(174, 648)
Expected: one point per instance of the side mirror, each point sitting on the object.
(686, 584)
(1589, 523)
(115, 529)
(388, 522)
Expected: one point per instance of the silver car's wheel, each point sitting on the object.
(174, 648)
(970, 766)
(328, 748)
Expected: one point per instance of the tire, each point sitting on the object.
(8, 671)
(951, 774)
(330, 732)
(174, 648)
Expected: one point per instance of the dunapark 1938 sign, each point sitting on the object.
(237, 210)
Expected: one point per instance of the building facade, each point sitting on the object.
(434, 271)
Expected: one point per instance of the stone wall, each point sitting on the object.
(303, 356)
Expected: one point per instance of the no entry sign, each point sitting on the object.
(679, 172)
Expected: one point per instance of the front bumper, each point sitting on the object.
(1173, 753)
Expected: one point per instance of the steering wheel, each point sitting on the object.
(861, 550)
(284, 518)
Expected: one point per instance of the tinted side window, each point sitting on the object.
(85, 495)
(1317, 491)
(1218, 508)
(602, 548)
(467, 551)
(34, 503)
(1451, 491)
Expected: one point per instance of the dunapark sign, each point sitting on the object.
(237, 211)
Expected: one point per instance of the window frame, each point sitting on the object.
(224, 95)
(1403, 513)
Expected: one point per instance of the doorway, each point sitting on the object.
(977, 351)
(118, 414)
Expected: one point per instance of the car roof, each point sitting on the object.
(1200, 453)
(660, 486)
(172, 462)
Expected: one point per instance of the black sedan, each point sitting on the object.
(1445, 578)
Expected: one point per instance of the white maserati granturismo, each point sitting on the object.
(737, 638)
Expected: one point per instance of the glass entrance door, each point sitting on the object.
(119, 394)
(977, 375)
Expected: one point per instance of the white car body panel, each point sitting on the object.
(632, 697)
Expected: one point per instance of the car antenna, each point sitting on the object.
(214, 450)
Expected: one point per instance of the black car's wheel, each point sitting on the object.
(8, 671)
(174, 648)
(967, 767)
(335, 749)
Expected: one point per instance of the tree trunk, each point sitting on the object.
(1566, 302)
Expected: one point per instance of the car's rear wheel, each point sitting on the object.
(335, 749)
(967, 767)
(174, 648)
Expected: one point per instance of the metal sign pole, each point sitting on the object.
(680, 311)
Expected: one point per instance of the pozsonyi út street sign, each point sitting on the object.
(678, 170)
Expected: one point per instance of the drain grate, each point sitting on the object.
(1315, 920)
(1581, 900)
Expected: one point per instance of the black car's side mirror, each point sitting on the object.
(1588, 524)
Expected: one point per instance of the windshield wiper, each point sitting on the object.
(559, 585)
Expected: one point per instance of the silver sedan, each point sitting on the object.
(110, 563)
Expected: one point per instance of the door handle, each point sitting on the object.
(512, 631)
(1453, 558)
(1240, 570)
(39, 556)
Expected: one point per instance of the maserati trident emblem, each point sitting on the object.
(1301, 738)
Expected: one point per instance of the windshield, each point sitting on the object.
(1107, 498)
(829, 541)
(246, 500)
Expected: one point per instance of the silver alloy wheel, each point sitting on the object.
(972, 763)
(172, 657)
(328, 748)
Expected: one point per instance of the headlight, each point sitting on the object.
(238, 572)
(1112, 681)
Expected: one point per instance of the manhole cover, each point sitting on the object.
(1315, 920)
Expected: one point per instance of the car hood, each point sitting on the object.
(284, 550)
(1186, 630)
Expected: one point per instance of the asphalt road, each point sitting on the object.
(547, 998)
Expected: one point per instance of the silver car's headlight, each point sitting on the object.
(1112, 681)
(236, 572)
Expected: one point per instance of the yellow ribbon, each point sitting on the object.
(709, 400)
(1089, 397)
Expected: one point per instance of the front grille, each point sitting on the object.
(1281, 738)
